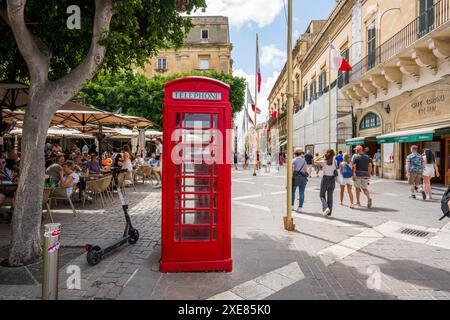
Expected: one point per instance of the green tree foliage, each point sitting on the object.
(135, 94)
(139, 28)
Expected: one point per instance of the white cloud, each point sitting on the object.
(273, 57)
(241, 12)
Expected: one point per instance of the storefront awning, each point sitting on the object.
(355, 141)
(416, 135)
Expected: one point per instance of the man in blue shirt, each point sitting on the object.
(339, 158)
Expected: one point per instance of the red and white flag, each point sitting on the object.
(251, 102)
(338, 62)
(249, 118)
(258, 67)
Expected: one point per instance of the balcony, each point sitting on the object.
(416, 46)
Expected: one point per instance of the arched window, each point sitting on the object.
(370, 121)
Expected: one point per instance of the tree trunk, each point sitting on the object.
(26, 222)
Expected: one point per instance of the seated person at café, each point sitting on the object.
(107, 161)
(54, 171)
(78, 164)
(6, 177)
(12, 163)
(94, 166)
(68, 177)
(50, 160)
(118, 160)
(139, 160)
(129, 166)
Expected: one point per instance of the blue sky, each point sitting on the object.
(268, 19)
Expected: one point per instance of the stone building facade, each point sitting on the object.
(396, 95)
(207, 47)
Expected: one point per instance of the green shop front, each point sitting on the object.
(437, 139)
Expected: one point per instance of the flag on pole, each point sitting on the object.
(250, 120)
(338, 62)
(258, 67)
(251, 102)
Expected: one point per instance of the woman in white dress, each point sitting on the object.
(430, 171)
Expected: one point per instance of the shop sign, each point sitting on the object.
(407, 139)
(359, 142)
(208, 96)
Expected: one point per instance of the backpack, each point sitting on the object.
(444, 204)
(347, 171)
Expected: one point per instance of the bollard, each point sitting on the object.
(52, 243)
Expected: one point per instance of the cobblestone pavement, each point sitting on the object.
(357, 254)
(93, 226)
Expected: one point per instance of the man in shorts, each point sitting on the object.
(414, 170)
(362, 171)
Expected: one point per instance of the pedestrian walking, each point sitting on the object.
(245, 167)
(339, 158)
(328, 184)
(414, 170)
(345, 179)
(282, 159)
(299, 178)
(266, 162)
(377, 163)
(362, 171)
(430, 171)
(309, 158)
(316, 164)
(235, 161)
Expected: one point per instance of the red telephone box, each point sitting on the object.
(196, 201)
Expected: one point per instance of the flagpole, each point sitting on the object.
(288, 220)
(329, 92)
(256, 104)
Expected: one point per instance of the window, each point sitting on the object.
(305, 95)
(205, 34)
(162, 64)
(313, 90)
(370, 120)
(344, 77)
(204, 64)
(322, 83)
(371, 46)
(426, 23)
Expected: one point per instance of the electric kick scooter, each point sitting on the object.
(95, 254)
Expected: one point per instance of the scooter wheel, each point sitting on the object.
(134, 236)
(94, 256)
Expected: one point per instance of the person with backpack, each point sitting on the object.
(414, 170)
(345, 179)
(445, 204)
(328, 184)
(299, 178)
